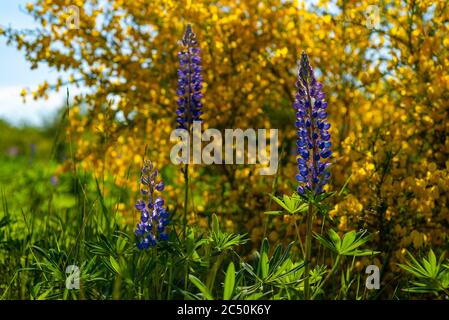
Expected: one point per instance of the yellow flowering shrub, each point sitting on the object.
(387, 88)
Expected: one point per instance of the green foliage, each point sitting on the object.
(430, 275)
(46, 228)
(223, 240)
(348, 246)
(269, 276)
(275, 271)
(316, 278)
(292, 205)
(228, 286)
(52, 265)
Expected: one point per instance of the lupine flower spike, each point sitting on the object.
(189, 94)
(313, 145)
(153, 216)
(189, 81)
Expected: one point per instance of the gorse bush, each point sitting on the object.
(386, 83)
(276, 276)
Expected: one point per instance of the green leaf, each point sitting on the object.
(344, 185)
(365, 252)
(283, 258)
(44, 295)
(276, 256)
(274, 213)
(115, 265)
(335, 238)
(325, 243)
(201, 286)
(289, 203)
(433, 262)
(430, 275)
(349, 245)
(264, 265)
(302, 208)
(255, 296)
(292, 205)
(348, 240)
(229, 282)
(265, 246)
(215, 224)
(280, 202)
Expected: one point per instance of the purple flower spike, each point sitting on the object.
(189, 82)
(313, 145)
(152, 212)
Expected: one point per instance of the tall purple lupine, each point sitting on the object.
(189, 82)
(153, 216)
(313, 145)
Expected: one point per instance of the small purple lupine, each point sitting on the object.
(313, 143)
(189, 82)
(153, 216)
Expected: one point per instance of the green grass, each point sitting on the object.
(47, 227)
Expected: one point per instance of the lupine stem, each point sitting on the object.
(308, 249)
(186, 198)
(189, 98)
(299, 238)
(213, 272)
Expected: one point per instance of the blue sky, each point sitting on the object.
(15, 73)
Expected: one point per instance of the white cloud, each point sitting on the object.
(13, 110)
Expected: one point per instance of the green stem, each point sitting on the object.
(320, 249)
(184, 223)
(213, 272)
(186, 198)
(299, 237)
(308, 249)
(170, 278)
(116, 287)
(334, 268)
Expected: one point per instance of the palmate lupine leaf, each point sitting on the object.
(432, 276)
(272, 270)
(292, 205)
(223, 240)
(348, 246)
